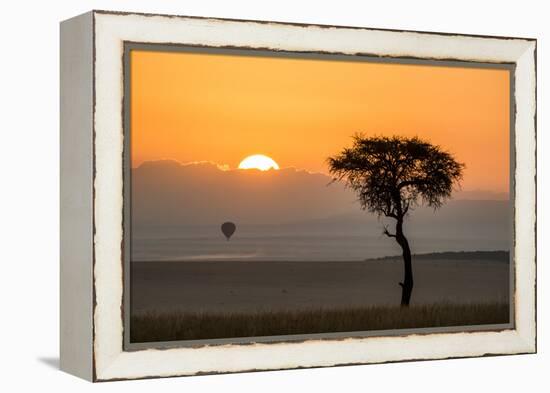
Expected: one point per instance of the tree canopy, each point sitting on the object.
(393, 174)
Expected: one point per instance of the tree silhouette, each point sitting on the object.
(391, 176)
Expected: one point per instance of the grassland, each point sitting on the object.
(170, 326)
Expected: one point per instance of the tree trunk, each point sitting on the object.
(407, 284)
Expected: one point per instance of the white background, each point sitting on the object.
(29, 197)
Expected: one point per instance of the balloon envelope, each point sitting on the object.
(228, 229)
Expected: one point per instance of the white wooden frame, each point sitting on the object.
(92, 46)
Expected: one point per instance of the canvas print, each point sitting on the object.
(280, 194)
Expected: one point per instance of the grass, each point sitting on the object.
(158, 326)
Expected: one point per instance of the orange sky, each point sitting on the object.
(221, 108)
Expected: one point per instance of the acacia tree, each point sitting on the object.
(391, 176)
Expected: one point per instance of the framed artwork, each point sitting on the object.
(246, 195)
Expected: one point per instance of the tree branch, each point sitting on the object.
(412, 182)
(387, 233)
(406, 209)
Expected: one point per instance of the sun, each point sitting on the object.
(258, 161)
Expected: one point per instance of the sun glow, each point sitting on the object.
(258, 161)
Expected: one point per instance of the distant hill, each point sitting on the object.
(500, 256)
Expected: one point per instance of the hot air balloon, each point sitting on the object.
(228, 229)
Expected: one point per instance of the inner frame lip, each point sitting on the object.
(246, 51)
